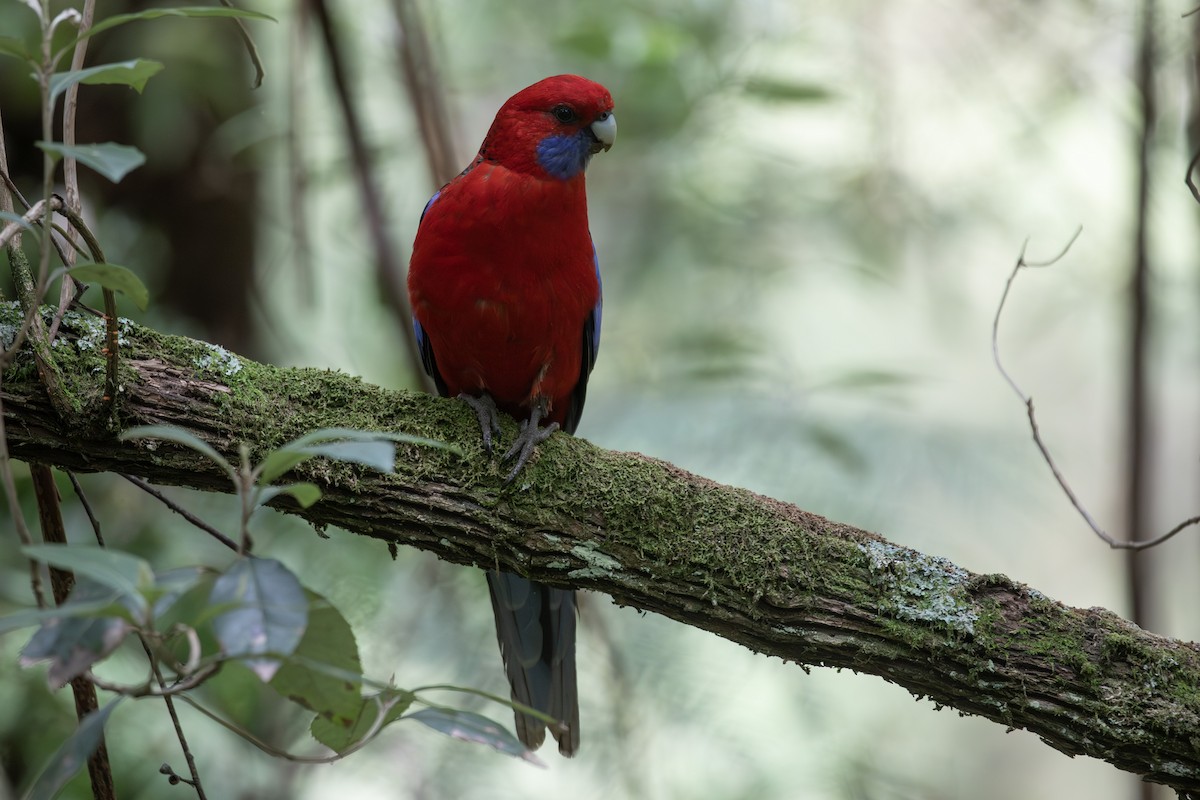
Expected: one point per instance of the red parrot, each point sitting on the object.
(505, 291)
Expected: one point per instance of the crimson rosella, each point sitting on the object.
(505, 290)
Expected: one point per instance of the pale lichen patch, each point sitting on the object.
(922, 588)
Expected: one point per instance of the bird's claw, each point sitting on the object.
(525, 444)
(487, 414)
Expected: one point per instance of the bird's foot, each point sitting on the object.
(527, 441)
(487, 414)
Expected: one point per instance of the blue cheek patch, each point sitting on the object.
(563, 157)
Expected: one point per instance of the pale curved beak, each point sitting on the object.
(604, 130)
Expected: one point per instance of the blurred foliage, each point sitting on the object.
(803, 228)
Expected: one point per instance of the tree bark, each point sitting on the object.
(775, 578)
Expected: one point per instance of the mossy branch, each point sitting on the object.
(775, 578)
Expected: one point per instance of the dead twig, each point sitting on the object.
(1112, 542)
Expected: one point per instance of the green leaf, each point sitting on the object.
(115, 277)
(72, 754)
(780, 91)
(475, 728)
(170, 433)
(133, 73)
(125, 573)
(72, 644)
(12, 46)
(340, 735)
(113, 161)
(28, 617)
(172, 584)
(305, 493)
(270, 616)
(154, 13)
(192, 609)
(329, 641)
(374, 449)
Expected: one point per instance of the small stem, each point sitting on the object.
(170, 703)
(180, 510)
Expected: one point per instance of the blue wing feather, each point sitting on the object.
(424, 346)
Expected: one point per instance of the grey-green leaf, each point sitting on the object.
(133, 73)
(113, 161)
(115, 277)
(125, 573)
(305, 493)
(270, 616)
(72, 644)
(178, 436)
(72, 755)
(475, 728)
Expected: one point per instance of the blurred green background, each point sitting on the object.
(804, 231)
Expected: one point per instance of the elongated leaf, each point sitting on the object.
(29, 617)
(378, 455)
(113, 161)
(475, 728)
(304, 492)
(125, 573)
(154, 13)
(782, 91)
(171, 584)
(133, 73)
(73, 754)
(370, 448)
(178, 436)
(339, 736)
(355, 435)
(12, 46)
(270, 616)
(72, 644)
(329, 641)
(115, 277)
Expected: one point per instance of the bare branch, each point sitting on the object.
(1027, 400)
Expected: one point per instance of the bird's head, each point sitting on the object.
(552, 128)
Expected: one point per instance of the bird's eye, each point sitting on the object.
(563, 113)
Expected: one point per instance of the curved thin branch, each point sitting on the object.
(1112, 541)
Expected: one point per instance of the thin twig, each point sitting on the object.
(111, 327)
(148, 689)
(251, 48)
(34, 215)
(181, 511)
(87, 507)
(1187, 178)
(74, 201)
(1027, 400)
(382, 708)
